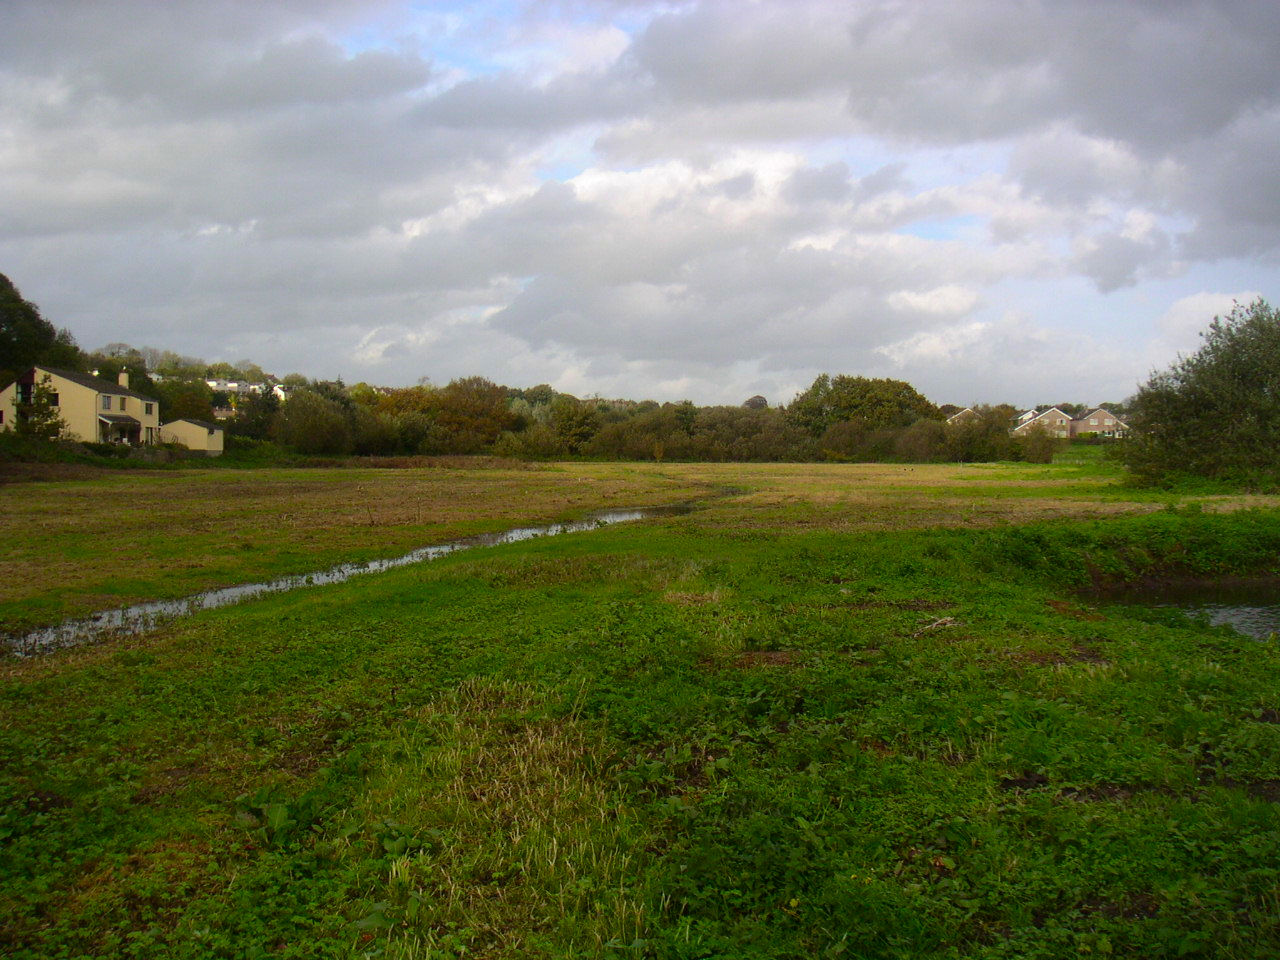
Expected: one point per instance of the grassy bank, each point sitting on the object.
(852, 722)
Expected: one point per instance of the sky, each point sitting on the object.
(994, 200)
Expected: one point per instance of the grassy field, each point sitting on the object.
(76, 547)
(79, 546)
(847, 711)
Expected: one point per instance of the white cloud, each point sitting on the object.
(948, 299)
(700, 199)
(1180, 326)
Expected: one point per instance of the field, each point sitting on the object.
(837, 711)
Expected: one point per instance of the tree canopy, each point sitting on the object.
(27, 338)
(1215, 413)
(876, 403)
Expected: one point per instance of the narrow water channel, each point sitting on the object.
(1252, 609)
(146, 616)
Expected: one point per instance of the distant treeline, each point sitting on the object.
(840, 418)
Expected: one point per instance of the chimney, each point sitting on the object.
(124, 379)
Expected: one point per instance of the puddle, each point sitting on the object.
(146, 616)
(1252, 609)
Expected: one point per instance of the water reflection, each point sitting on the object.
(1251, 608)
(145, 616)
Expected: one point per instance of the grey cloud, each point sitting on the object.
(208, 170)
(1065, 167)
(737, 187)
(510, 103)
(1114, 261)
(1152, 76)
(716, 51)
(1237, 195)
(307, 71)
(886, 178)
(814, 184)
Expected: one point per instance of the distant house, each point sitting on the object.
(95, 410)
(235, 387)
(1100, 421)
(960, 416)
(194, 434)
(1053, 421)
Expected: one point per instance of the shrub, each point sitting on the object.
(1216, 413)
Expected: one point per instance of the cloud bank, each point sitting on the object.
(704, 199)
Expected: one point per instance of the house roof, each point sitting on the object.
(199, 423)
(94, 383)
(1117, 416)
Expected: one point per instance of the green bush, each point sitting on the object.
(1216, 413)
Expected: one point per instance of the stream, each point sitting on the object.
(143, 617)
(1252, 609)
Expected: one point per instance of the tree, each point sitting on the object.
(983, 437)
(876, 403)
(573, 422)
(1215, 413)
(115, 357)
(251, 371)
(311, 423)
(181, 399)
(254, 417)
(471, 413)
(221, 370)
(27, 338)
(38, 416)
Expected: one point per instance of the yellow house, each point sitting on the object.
(95, 410)
(194, 435)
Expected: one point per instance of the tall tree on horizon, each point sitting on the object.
(27, 338)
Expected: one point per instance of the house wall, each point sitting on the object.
(78, 406)
(192, 436)
(8, 406)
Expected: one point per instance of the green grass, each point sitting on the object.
(77, 546)
(772, 728)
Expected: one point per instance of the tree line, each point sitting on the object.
(840, 418)
(1213, 414)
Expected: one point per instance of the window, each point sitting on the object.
(122, 403)
(1093, 422)
(24, 392)
(1, 416)
(53, 399)
(106, 403)
(146, 408)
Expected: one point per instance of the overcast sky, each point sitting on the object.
(994, 200)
